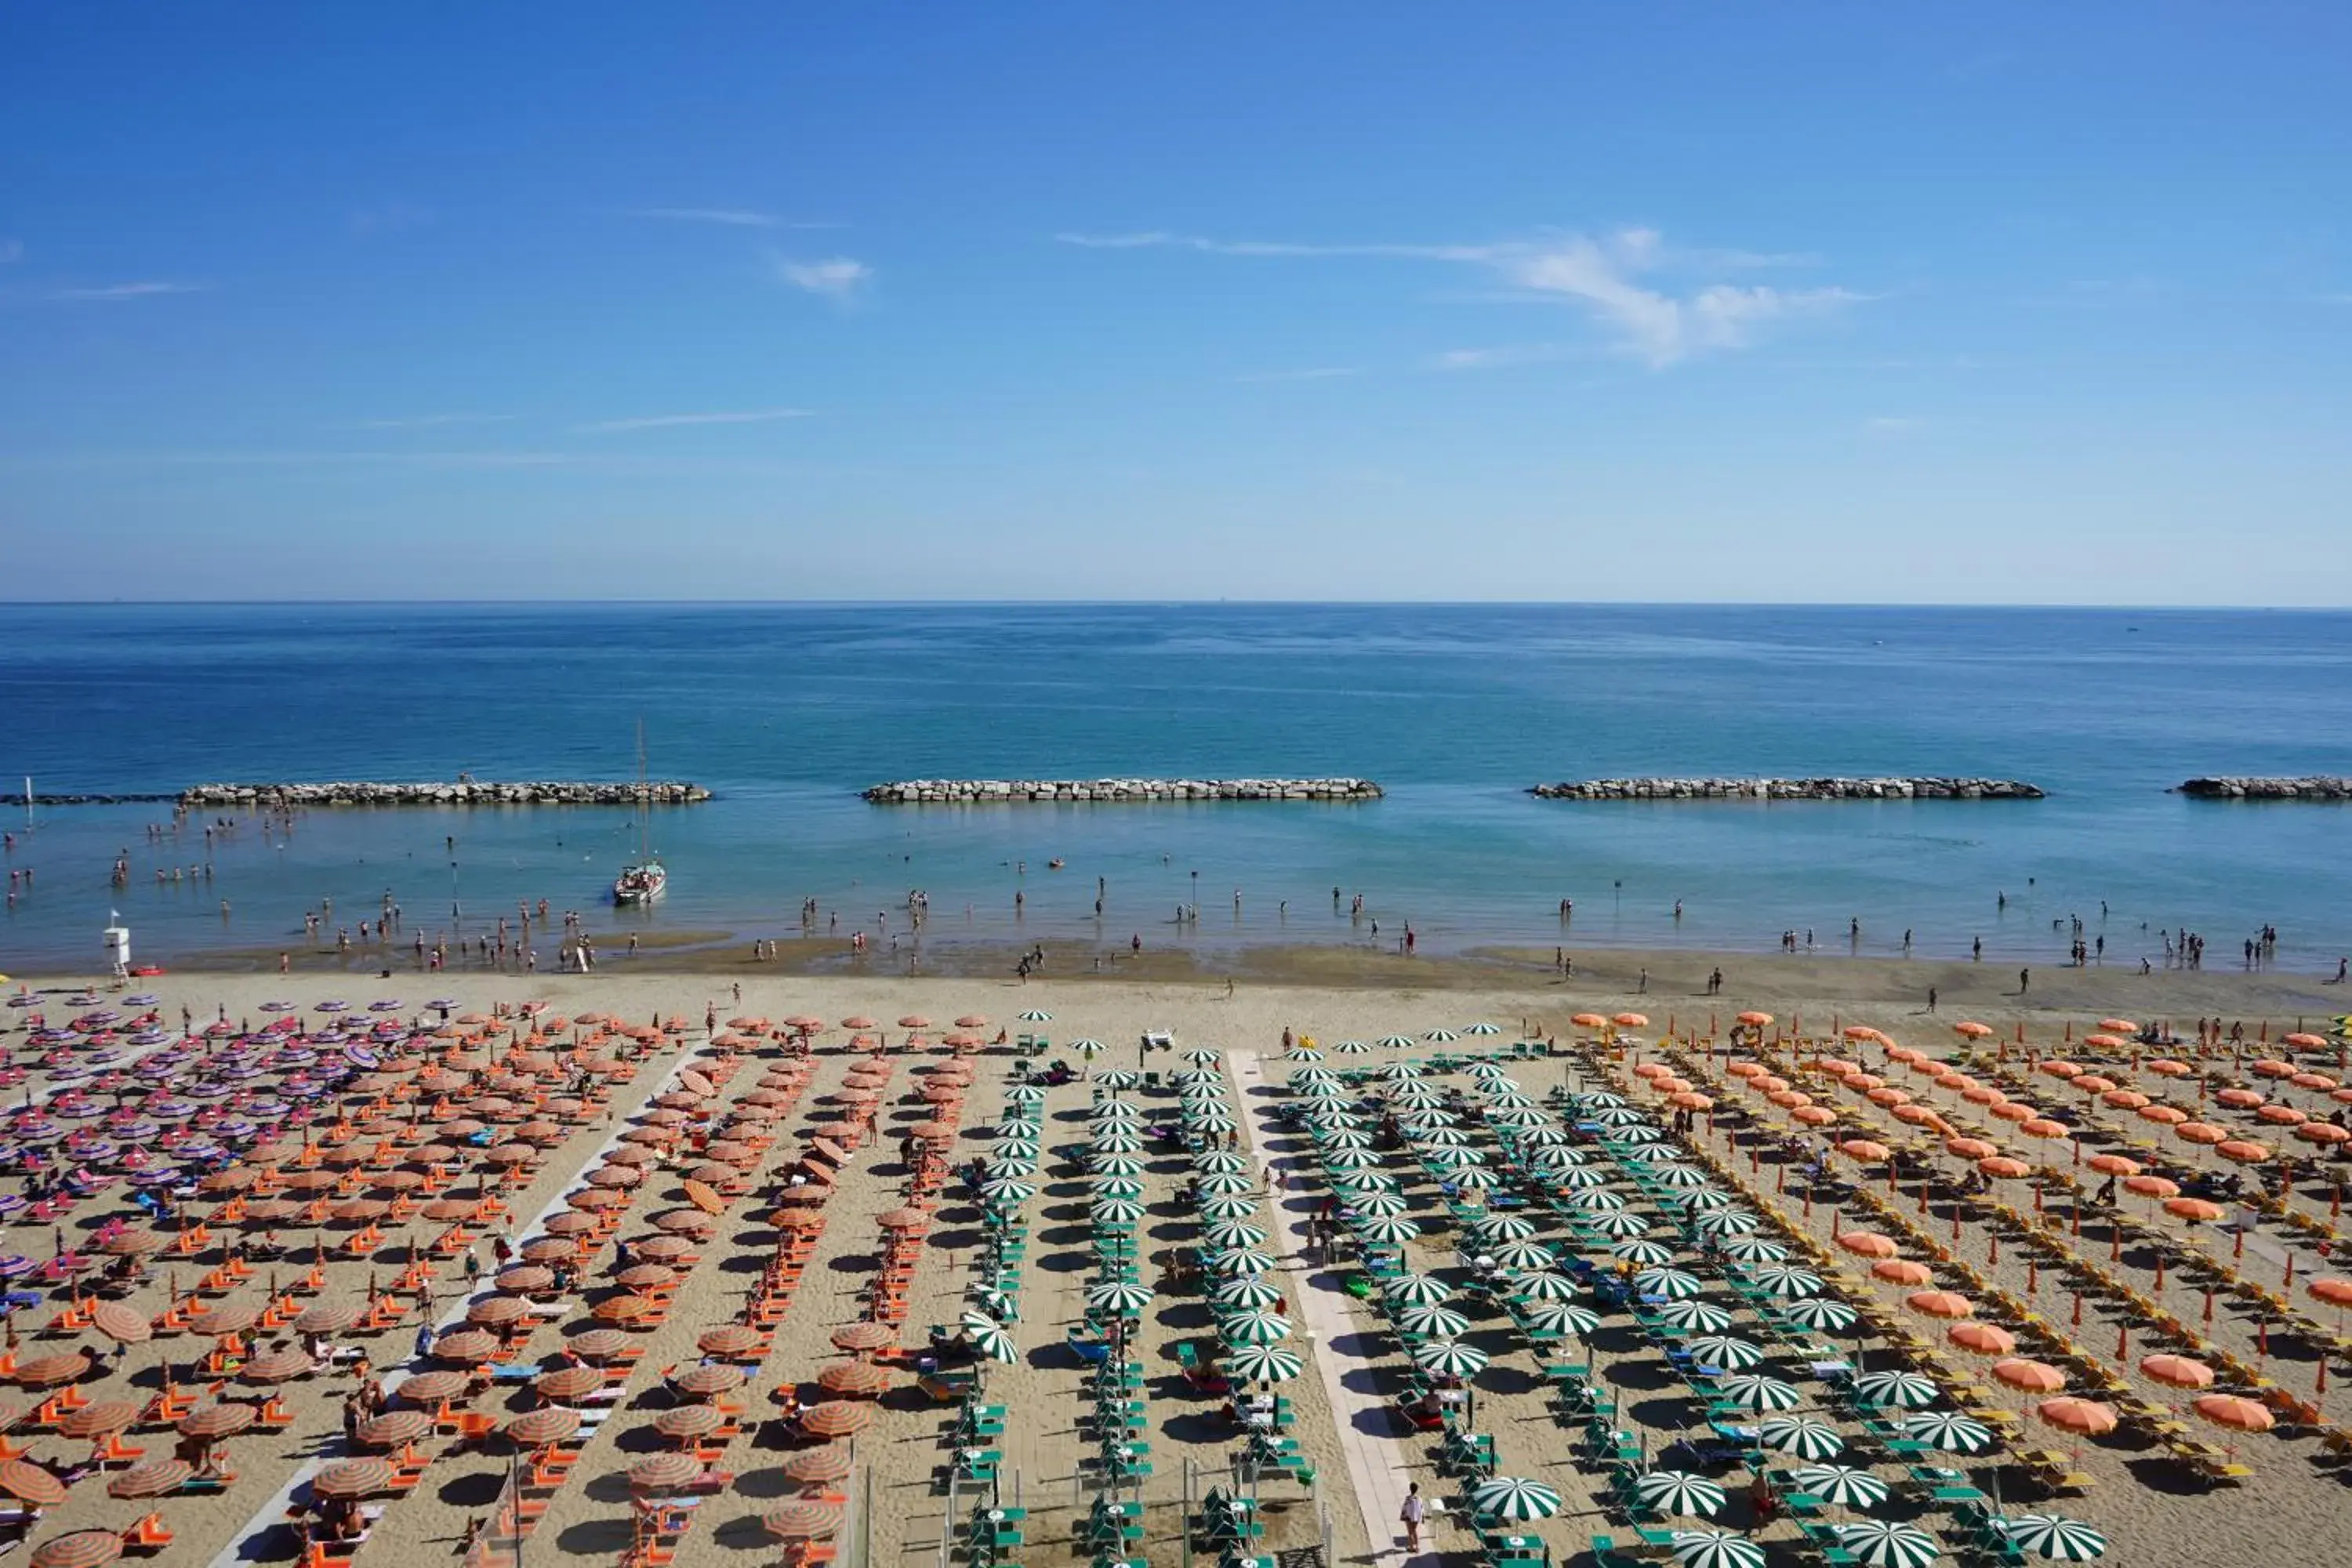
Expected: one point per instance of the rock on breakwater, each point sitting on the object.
(1790, 789)
(2316, 787)
(994, 792)
(464, 792)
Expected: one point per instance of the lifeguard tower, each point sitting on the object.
(117, 946)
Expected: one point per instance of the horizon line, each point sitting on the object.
(2115, 606)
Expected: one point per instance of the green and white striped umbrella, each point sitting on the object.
(1228, 1205)
(1433, 1322)
(1118, 1143)
(1698, 1200)
(1005, 1190)
(1673, 1491)
(1202, 1056)
(1679, 1177)
(1087, 1045)
(1114, 1077)
(1417, 1290)
(1218, 1162)
(1303, 1054)
(1525, 1254)
(1379, 1205)
(1245, 1295)
(1441, 1036)
(1785, 1282)
(1542, 1285)
(1480, 1027)
(1344, 1138)
(1895, 1389)
(1884, 1543)
(1227, 1233)
(1227, 1182)
(1103, 1110)
(1753, 1250)
(1350, 1160)
(1416, 1096)
(1754, 1391)
(1487, 1071)
(1118, 1296)
(1841, 1485)
(1559, 1318)
(1350, 1049)
(1116, 1211)
(1474, 1179)
(1399, 1042)
(994, 1307)
(1821, 1313)
(1504, 1227)
(1241, 1265)
(1618, 1113)
(1353, 1183)
(1514, 1497)
(1211, 1121)
(1595, 1200)
(1598, 1100)
(1726, 1222)
(1952, 1433)
(1115, 1187)
(1674, 1284)
(1013, 1149)
(1036, 1016)
(1256, 1329)
(1430, 1116)
(1262, 1363)
(1307, 1072)
(1028, 1093)
(1400, 1072)
(1517, 1116)
(1642, 1252)
(2054, 1536)
(1644, 1154)
(1116, 1161)
(1572, 1177)
(1387, 1230)
(994, 1343)
(1698, 1317)
(1715, 1549)
(1450, 1358)
(1439, 1137)
(1807, 1437)
(1544, 1137)
(1444, 1158)
(1725, 1350)
(1199, 1077)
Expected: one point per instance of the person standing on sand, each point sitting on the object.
(2024, 979)
(1414, 1511)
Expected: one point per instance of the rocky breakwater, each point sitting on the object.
(1789, 789)
(1006, 792)
(464, 792)
(2318, 787)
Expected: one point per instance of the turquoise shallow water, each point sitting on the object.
(788, 710)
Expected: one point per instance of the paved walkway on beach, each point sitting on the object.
(252, 1538)
(1376, 1463)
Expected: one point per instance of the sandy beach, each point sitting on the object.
(1358, 1450)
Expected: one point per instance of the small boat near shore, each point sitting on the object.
(646, 878)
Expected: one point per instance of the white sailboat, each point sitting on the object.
(646, 878)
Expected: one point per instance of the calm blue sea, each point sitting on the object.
(787, 710)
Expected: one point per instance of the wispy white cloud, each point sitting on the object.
(144, 290)
(430, 421)
(673, 421)
(1501, 357)
(1618, 278)
(836, 278)
(726, 217)
(1317, 373)
(11, 250)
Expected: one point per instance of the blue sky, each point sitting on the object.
(1812, 302)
